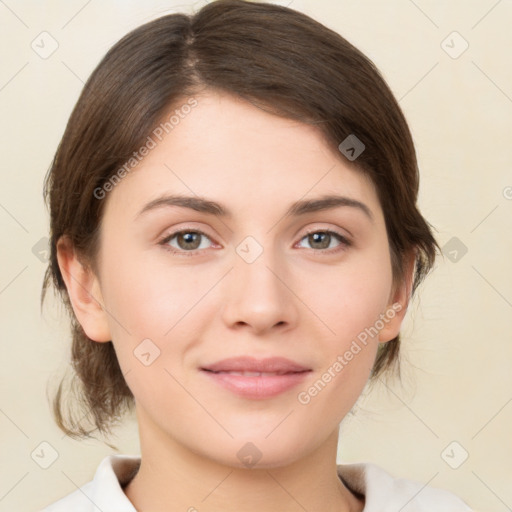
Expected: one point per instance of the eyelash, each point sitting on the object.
(344, 242)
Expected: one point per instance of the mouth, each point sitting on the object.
(254, 374)
(248, 364)
(255, 379)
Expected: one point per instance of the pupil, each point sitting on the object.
(317, 238)
(189, 240)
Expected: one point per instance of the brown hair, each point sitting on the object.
(278, 59)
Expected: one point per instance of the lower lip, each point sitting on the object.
(264, 386)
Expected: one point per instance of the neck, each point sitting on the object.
(173, 478)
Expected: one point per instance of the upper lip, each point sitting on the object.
(252, 364)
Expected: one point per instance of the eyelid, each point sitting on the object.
(186, 229)
(328, 230)
(344, 240)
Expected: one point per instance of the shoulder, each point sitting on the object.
(105, 491)
(385, 493)
(77, 501)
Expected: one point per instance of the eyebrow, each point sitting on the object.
(302, 207)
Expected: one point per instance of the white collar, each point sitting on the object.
(382, 492)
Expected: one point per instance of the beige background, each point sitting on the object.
(458, 343)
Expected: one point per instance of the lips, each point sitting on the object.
(254, 374)
(252, 367)
(256, 379)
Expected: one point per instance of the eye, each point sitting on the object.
(321, 239)
(188, 241)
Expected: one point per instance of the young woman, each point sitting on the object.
(234, 229)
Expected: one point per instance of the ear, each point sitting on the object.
(398, 302)
(84, 292)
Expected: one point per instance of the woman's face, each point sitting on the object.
(266, 279)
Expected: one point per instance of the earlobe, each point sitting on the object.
(84, 292)
(398, 303)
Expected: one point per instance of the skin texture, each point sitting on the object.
(297, 300)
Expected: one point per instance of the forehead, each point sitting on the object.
(243, 156)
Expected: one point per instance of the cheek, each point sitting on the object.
(149, 299)
(351, 307)
(348, 348)
(147, 295)
(350, 299)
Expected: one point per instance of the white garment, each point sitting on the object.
(382, 492)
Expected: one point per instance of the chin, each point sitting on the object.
(256, 452)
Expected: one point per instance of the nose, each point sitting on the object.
(260, 296)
